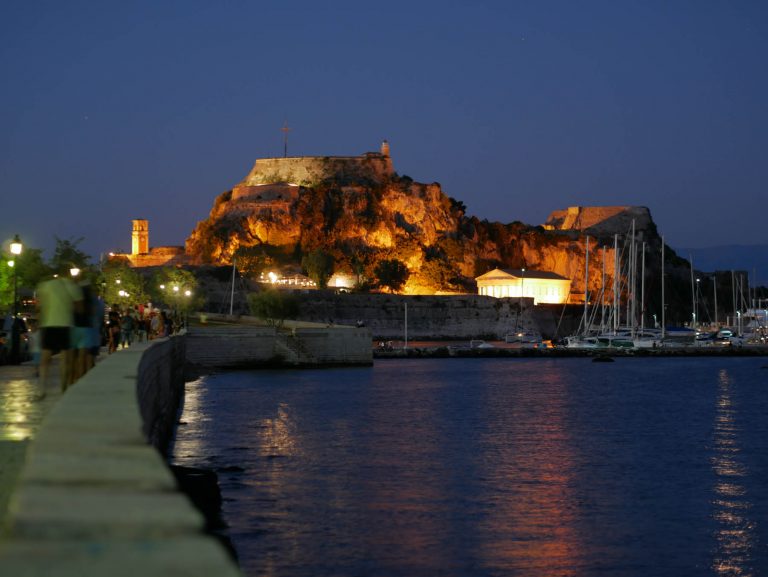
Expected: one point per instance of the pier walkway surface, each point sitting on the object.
(21, 413)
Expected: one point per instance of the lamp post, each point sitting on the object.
(696, 301)
(16, 248)
(520, 314)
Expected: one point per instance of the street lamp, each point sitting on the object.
(696, 300)
(520, 314)
(16, 248)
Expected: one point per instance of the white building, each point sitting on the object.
(542, 287)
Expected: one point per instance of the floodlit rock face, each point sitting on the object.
(361, 212)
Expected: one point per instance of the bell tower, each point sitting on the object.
(140, 237)
(385, 148)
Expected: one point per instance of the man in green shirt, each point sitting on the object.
(58, 299)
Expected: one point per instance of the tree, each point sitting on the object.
(391, 274)
(123, 286)
(177, 288)
(6, 283)
(273, 306)
(66, 256)
(253, 260)
(32, 269)
(29, 267)
(319, 266)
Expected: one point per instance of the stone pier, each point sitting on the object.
(95, 497)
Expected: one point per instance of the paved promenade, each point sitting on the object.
(21, 412)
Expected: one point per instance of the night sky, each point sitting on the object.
(111, 111)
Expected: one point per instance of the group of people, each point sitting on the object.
(74, 321)
(138, 323)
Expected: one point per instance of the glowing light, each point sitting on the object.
(16, 245)
(272, 277)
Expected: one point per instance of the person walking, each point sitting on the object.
(126, 328)
(98, 311)
(166, 325)
(113, 328)
(81, 333)
(58, 299)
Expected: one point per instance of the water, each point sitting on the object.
(485, 467)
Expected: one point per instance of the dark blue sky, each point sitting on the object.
(117, 110)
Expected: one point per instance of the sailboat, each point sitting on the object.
(583, 340)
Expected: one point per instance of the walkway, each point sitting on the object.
(21, 412)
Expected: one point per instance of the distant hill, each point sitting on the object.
(730, 257)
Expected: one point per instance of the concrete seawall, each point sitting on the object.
(295, 345)
(95, 497)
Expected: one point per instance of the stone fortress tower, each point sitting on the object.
(307, 170)
(140, 237)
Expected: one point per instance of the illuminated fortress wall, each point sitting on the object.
(309, 170)
(599, 219)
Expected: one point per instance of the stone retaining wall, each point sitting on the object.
(231, 346)
(243, 346)
(429, 317)
(336, 346)
(94, 497)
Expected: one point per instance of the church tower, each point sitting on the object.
(385, 148)
(140, 237)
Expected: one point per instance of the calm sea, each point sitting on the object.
(480, 467)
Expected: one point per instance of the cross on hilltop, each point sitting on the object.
(285, 130)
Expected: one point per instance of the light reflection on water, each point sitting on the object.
(529, 464)
(489, 467)
(734, 535)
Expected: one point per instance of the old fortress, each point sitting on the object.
(273, 184)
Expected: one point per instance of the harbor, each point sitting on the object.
(463, 349)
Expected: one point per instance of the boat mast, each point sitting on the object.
(632, 284)
(693, 294)
(733, 295)
(616, 273)
(232, 293)
(663, 306)
(633, 324)
(586, 286)
(602, 297)
(642, 292)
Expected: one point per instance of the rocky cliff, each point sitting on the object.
(363, 217)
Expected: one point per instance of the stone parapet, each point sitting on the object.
(94, 497)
